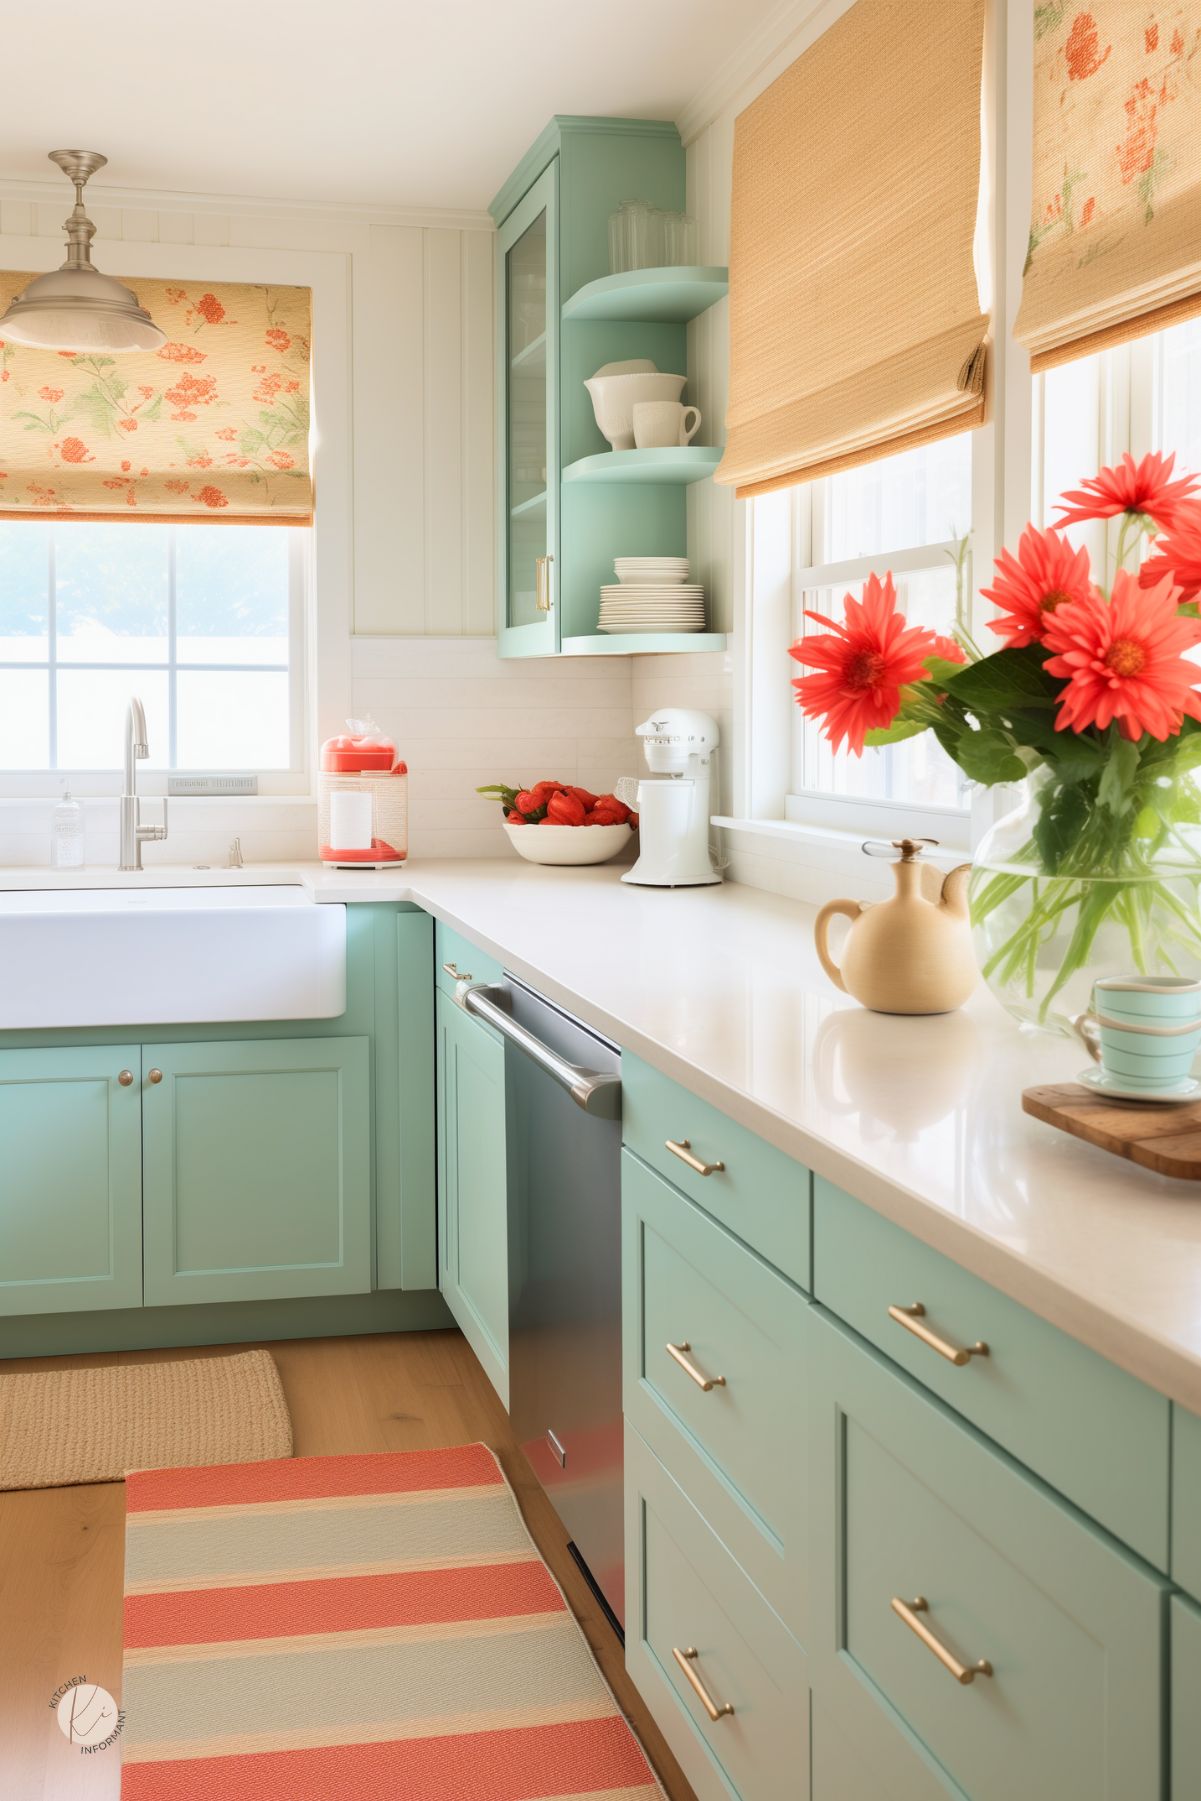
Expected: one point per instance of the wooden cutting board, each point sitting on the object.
(1161, 1137)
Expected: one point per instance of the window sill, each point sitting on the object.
(812, 862)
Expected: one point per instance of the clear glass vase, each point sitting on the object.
(1071, 886)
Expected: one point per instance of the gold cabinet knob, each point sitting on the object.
(126, 1078)
(155, 1076)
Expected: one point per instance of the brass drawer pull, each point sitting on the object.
(962, 1672)
(456, 974)
(685, 1661)
(703, 1382)
(682, 1148)
(911, 1318)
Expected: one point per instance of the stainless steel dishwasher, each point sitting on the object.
(563, 1118)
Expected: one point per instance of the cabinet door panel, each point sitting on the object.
(257, 1170)
(473, 1189)
(70, 1187)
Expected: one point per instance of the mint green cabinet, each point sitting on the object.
(473, 1228)
(699, 1308)
(70, 1179)
(527, 313)
(568, 504)
(912, 1509)
(257, 1169)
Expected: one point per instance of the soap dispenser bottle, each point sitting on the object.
(66, 834)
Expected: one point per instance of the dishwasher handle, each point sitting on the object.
(597, 1092)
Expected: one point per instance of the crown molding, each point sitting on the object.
(104, 194)
(765, 53)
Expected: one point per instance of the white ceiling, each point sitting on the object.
(402, 104)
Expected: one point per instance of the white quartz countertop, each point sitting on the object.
(920, 1118)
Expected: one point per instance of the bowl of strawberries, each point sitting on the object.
(556, 822)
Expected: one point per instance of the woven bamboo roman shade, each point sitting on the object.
(213, 425)
(855, 321)
(1115, 236)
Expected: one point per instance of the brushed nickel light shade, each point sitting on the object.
(76, 307)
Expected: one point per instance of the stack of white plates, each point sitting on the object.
(652, 594)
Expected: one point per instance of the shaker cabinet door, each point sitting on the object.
(257, 1168)
(70, 1179)
(527, 361)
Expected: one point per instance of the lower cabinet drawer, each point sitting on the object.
(1089, 1429)
(746, 1183)
(714, 1378)
(1186, 1693)
(932, 1556)
(725, 1681)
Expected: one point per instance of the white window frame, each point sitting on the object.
(764, 600)
(322, 673)
(162, 764)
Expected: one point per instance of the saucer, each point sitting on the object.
(1186, 1089)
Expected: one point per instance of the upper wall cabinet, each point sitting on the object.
(568, 503)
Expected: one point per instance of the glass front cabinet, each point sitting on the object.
(528, 362)
(567, 503)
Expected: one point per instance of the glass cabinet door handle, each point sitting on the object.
(542, 597)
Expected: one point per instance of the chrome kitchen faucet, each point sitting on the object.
(133, 833)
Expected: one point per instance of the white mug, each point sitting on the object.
(659, 424)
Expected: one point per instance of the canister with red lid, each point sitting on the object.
(362, 800)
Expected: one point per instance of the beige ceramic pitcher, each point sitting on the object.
(911, 954)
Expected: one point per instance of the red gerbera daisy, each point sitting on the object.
(1144, 488)
(1046, 573)
(1123, 659)
(948, 649)
(1178, 554)
(862, 665)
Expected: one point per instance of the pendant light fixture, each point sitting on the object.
(76, 307)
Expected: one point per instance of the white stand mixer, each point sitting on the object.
(673, 812)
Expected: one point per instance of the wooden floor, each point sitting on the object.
(61, 1549)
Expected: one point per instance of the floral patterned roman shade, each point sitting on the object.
(1115, 235)
(214, 425)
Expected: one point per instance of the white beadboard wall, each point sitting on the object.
(420, 356)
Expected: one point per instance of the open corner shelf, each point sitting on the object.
(650, 296)
(626, 644)
(675, 466)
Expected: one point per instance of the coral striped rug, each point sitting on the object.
(368, 1628)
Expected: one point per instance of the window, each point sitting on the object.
(910, 514)
(203, 622)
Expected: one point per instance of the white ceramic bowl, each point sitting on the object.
(614, 398)
(565, 844)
